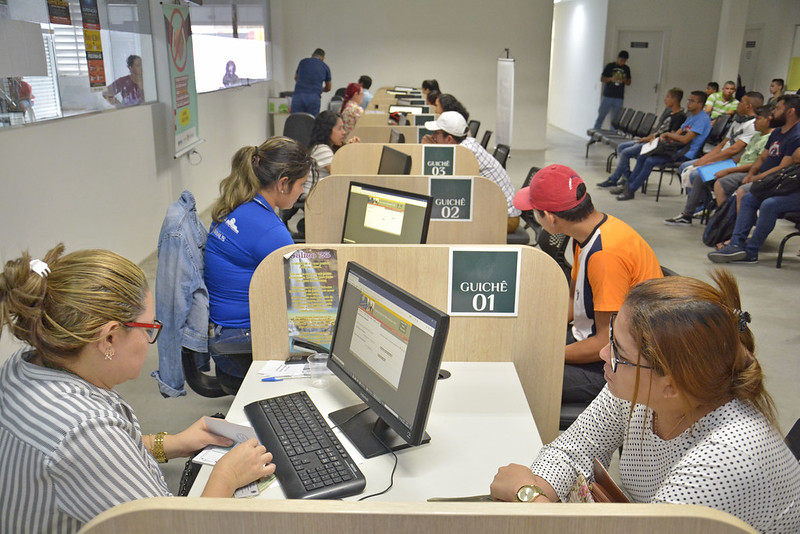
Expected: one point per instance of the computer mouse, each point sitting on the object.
(444, 373)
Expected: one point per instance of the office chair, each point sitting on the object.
(671, 166)
(335, 104)
(341, 92)
(298, 127)
(501, 153)
(473, 127)
(793, 439)
(485, 141)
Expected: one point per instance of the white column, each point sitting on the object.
(730, 36)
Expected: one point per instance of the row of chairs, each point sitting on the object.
(626, 124)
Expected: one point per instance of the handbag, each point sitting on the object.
(784, 182)
(670, 147)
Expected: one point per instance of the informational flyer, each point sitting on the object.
(93, 43)
(312, 294)
(181, 69)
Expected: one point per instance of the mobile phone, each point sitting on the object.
(298, 357)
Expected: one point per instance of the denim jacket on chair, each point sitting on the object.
(181, 294)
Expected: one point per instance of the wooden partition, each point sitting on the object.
(172, 515)
(364, 158)
(380, 134)
(534, 339)
(326, 204)
(373, 119)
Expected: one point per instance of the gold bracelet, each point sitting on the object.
(158, 448)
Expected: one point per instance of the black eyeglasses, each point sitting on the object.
(151, 329)
(615, 359)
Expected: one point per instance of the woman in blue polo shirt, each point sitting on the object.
(244, 231)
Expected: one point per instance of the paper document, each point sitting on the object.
(279, 369)
(649, 147)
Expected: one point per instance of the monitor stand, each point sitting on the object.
(369, 433)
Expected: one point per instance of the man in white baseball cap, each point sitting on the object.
(451, 129)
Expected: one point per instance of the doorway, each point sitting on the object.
(646, 49)
(748, 60)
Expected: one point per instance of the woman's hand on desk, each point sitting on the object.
(193, 439)
(243, 464)
(512, 477)
(354, 139)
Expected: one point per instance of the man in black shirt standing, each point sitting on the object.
(615, 77)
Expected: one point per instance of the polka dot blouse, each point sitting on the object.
(732, 459)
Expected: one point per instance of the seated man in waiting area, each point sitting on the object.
(692, 132)
(610, 258)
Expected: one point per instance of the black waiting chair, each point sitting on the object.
(670, 166)
(298, 126)
(501, 153)
(793, 216)
(341, 92)
(718, 131)
(473, 127)
(528, 218)
(595, 134)
(485, 141)
(643, 130)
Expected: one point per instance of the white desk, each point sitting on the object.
(479, 421)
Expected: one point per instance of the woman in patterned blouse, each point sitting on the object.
(685, 399)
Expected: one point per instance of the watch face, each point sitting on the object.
(527, 494)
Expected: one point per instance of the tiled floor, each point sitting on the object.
(772, 296)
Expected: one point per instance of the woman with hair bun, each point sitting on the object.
(244, 231)
(70, 446)
(685, 400)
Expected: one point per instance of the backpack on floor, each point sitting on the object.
(720, 227)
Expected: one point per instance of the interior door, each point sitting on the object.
(646, 50)
(748, 60)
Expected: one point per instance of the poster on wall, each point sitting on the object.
(58, 11)
(181, 68)
(93, 44)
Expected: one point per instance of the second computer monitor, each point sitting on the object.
(393, 161)
(380, 215)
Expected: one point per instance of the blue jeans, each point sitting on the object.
(767, 213)
(626, 151)
(644, 164)
(607, 104)
(306, 103)
(228, 342)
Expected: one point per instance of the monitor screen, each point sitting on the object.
(411, 102)
(380, 215)
(387, 348)
(393, 161)
(396, 137)
(414, 110)
(405, 89)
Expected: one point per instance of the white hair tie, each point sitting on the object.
(40, 268)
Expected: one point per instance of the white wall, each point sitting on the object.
(454, 41)
(579, 31)
(690, 37)
(777, 18)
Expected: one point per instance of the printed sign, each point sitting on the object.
(484, 281)
(312, 294)
(438, 160)
(422, 132)
(452, 198)
(422, 118)
(58, 11)
(92, 42)
(181, 69)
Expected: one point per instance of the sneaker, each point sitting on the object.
(679, 220)
(749, 260)
(626, 194)
(616, 190)
(727, 254)
(608, 182)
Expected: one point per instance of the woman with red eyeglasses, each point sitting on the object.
(70, 446)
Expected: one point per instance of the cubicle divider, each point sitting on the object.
(212, 516)
(373, 119)
(326, 204)
(364, 158)
(533, 339)
(380, 134)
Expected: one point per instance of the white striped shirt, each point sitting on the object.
(490, 168)
(68, 450)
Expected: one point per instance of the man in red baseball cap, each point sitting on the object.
(610, 258)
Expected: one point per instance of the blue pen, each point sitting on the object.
(276, 379)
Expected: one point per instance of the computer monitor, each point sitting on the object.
(408, 101)
(405, 89)
(387, 348)
(414, 110)
(380, 215)
(396, 137)
(394, 162)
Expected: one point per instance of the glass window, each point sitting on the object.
(118, 71)
(230, 43)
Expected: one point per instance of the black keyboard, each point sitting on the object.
(310, 462)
